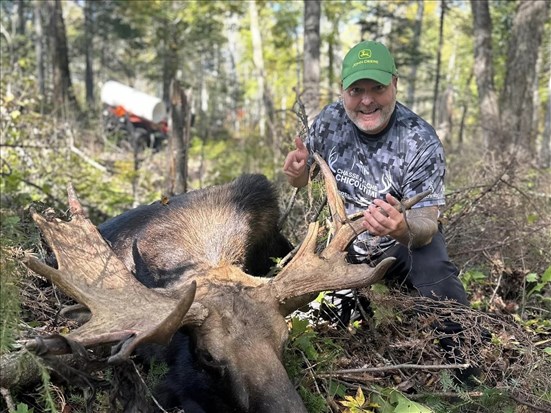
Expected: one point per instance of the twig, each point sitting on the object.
(290, 204)
(445, 394)
(8, 399)
(533, 406)
(398, 367)
(494, 293)
(147, 388)
(88, 160)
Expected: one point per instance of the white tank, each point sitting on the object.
(139, 103)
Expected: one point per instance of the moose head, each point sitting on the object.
(236, 321)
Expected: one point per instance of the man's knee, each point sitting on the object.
(429, 270)
(449, 288)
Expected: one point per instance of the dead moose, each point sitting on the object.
(182, 274)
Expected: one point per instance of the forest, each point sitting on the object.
(238, 81)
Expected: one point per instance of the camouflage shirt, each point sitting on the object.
(405, 159)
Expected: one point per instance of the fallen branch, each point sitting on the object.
(397, 367)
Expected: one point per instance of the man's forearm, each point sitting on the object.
(422, 224)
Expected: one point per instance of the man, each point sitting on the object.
(381, 152)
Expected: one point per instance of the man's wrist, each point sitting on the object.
(420, 226)
(299, 181)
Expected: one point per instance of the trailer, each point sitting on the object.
(132, 118)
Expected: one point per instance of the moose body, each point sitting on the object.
(165, 244)
(182, 274)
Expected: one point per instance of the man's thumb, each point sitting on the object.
(299, 144)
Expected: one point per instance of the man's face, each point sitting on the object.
(369, 104)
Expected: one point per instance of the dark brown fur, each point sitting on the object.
(232, 362)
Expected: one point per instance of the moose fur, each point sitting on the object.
(164, 244)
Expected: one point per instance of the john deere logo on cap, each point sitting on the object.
(364, 54)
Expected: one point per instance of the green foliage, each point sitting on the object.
(23, 408)
(157, 370)
(472, 277)
(306, 349)
(393, 401)
(538, 283)
(9, 300)
(46, 394)
(302, 336)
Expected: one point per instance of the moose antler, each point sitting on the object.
(89, 271)
(308, 273)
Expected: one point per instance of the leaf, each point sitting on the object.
(532, 277)
(532, 218)
(299, 326)
(546, 277)
(360, 396)
(406, 405)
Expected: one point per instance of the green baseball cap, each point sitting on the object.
(368, 60)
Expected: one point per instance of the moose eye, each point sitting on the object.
(206, 358)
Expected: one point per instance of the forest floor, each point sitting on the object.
(498, 230)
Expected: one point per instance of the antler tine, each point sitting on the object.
(335, 202)
(90, 272)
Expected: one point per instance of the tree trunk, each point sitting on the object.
(484, 74)
(517, 95)
(64, 97)
(39, 50)
(311, 65)
(267, 112)
(410, 100)
(258, 61)
(545, 152)
(438, 60)
(88, 50)
(20, 18)
(464, 108)
(331, 77)
(169, 56)
(178, 142)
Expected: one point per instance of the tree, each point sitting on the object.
(507, 122)
(88, 51)
(484, 72)
(178, 141)
(258, 60)
(39, 46)
(438, 59)
(311, 59)
(64, 96)
(410, 99)
(518, 88)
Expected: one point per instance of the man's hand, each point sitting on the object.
(295, 166)
(381, 219)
